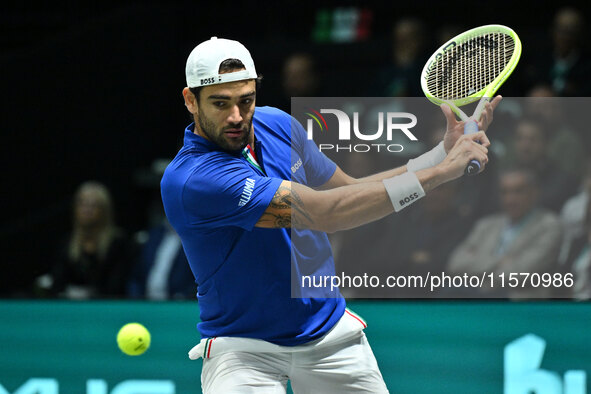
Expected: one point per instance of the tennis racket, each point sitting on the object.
(471, 67)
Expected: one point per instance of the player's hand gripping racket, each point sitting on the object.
(471, 66)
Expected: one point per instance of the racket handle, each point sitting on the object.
(473, 167)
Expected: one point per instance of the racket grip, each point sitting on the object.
(473, 167)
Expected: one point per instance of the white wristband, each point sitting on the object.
(403, 190)
(427, 160)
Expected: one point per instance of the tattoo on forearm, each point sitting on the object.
(281, 199)
(286, 210)
(299, 213)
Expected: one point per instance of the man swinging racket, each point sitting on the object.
(227, 193)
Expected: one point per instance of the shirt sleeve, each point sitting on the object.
(319, 168)
(226, 191)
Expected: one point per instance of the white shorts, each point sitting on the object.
(340, 362)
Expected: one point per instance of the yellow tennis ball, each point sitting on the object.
(133, 339)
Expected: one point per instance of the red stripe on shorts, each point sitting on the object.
(358, 319)
(209, 347)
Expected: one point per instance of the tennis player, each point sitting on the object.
(229, 196)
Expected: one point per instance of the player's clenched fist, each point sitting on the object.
(467, 148)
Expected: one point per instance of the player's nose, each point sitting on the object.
(234, 116)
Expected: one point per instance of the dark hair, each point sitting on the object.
(227, 66)
(531, 177)
(540, 126)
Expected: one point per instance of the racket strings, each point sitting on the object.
(469, 67)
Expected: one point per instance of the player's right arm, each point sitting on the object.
(345, 207)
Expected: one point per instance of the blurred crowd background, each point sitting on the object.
(93, 112)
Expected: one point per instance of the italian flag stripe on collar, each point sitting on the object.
(248, 154)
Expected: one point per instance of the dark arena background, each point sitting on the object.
(92, 91)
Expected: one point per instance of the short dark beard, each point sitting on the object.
(208, 128)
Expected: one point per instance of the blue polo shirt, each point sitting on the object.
(244, 273)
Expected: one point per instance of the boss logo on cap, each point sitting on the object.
(206, 81)
(408, 199)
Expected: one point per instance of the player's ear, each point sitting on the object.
(190, 101)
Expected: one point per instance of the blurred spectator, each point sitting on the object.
(448, 31)
(578, 260)
(574, 213)
(521, 239)
(565, 145)
(478, 195)
(566, 65)
(541, 90)
(531, 152)
(299, 79)
(369, 243)
(432, 229)
(94, 260)
(400, 78)
(162, 270)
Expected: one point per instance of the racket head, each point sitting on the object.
(471, 65)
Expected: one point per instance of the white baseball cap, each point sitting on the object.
(204, 62)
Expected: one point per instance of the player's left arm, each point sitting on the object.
(341, 178)
(342, 208)
(454, 130)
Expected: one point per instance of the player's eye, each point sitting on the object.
(219, 104)
(246, 101)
